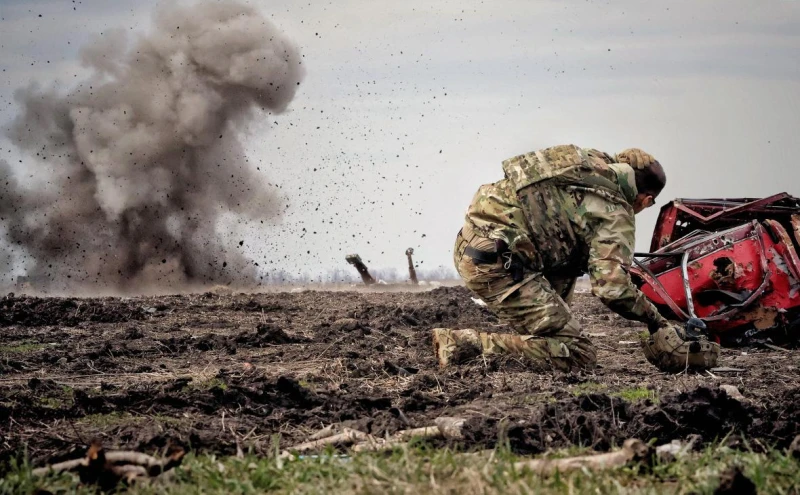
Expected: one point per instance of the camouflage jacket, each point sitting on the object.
(568, 210)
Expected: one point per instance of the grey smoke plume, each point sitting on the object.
(142, 160)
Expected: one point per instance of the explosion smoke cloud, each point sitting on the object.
(142, 160)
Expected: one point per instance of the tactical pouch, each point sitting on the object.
(512, 262)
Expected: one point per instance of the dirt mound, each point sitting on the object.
(704, 411)
(266, 307)
(34, 311)
(586, 421)
(267, 334)
(600, 421)
(779, 425)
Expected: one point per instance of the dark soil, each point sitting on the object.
(215, 371)
(35, 312)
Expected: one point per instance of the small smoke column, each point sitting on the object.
(142, 161)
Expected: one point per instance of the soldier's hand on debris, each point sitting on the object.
(695, 329)
(676, 348)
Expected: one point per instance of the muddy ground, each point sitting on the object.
(216, 371)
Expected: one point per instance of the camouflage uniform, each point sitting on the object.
(563, 211)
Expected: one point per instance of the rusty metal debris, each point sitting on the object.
(412, 273)
(733, 263)
(355, 260)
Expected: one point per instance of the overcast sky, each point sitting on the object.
(407, 107)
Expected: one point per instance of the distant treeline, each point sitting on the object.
(343, 275)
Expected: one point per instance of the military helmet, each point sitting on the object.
(650, 176)
(636, 158)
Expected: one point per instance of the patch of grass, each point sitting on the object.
(534, 399)
(168, 420)
(208, 384)
(588, 388)
(108, 420)
(66, 398)
(23, 347)
(52, 402)
(116, 418)
(635, 394)
(419, 470)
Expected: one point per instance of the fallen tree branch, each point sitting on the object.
(632, 450)
(348, 436)
(128, 472)
(451, 428)
(446, 427)
(326, 432)
(61, 467)
(400, 438)
(116, 457)
(424, 432)
(676, 449)
(109, 468)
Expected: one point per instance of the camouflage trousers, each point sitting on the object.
(537, 308)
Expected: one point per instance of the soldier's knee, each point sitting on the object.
(569, 354)
(583, 359)
(584, 356)
(581, 353)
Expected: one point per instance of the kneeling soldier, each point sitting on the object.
(561, 212)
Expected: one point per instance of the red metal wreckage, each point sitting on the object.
(731, 262)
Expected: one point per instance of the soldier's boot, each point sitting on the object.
(569, 349)
(455, 346)
(540, 351)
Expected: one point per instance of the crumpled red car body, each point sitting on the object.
(731, 262)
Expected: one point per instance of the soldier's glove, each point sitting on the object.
(672, 348)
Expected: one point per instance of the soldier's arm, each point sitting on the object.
(611, 247)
